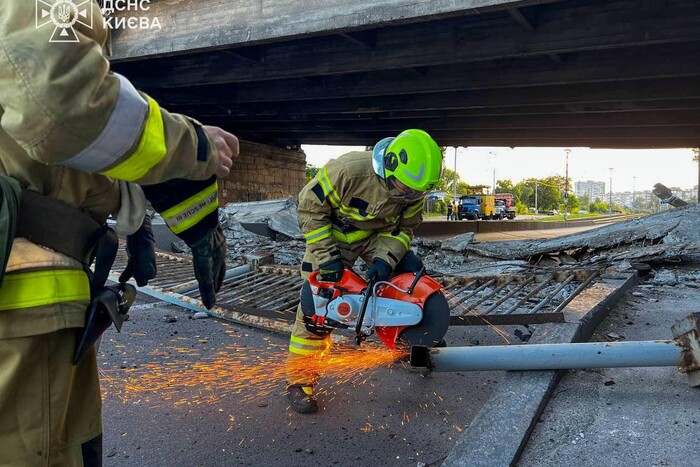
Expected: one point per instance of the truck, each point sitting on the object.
(475, 207)
(508, 204)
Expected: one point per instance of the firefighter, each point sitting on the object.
(366, 205)
(76, 141)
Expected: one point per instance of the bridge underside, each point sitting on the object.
(615, 73)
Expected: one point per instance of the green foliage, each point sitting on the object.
(572, 203)
(311, 172)
(599, 206)
(505, 186)
(447, 183)
(520, 208)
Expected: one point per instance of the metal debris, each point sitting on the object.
(665, 195)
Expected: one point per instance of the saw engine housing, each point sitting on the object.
(393, 307)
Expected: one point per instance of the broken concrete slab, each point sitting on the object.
(279, 215)
(678, 225)
(458, 243)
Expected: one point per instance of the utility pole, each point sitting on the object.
(610, 203)
(566, 186)
(493, 160)
(454, 182)
(696, 158)
(536, 210)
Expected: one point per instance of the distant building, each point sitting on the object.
(591, 189)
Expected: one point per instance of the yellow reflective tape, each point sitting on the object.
(299, 351)
(401, 237)
(413, 210)
(352, 237)
(192, 210)
(318, 239)
(328, 187)
(318, 234)
(29, 289)
(149, 152)
(354, 213)
(309, 342)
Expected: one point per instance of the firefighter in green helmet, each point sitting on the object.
(360, 205)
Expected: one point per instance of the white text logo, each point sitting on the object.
(63, 15)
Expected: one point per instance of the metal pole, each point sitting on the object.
(536, 210)
(566, 186)
(454, 182)
(696, 151)
(549, 356)
(610, 204)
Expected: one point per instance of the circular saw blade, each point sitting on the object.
(433, 327)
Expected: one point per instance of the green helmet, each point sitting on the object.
(414, 159)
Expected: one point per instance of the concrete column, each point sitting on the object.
(264, 172)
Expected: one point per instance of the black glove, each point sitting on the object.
(141, 248)
(209, 261)
(379, 271)
(331, 271)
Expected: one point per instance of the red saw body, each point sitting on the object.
(410, 308)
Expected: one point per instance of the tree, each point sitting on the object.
(311, 172)
(599, 206)
(504, 186)
(584, 201)
(572, 203)
(447, 183)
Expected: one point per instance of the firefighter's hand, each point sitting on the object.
(140, 246)
(209, 261)
(227, 148)
(331, 271)
(379, 271)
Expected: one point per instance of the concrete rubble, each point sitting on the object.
(269, 230)
(665, 236)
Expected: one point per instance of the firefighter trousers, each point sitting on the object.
(50, 410)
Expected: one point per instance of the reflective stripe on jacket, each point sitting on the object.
(347, 203)
(69, 129)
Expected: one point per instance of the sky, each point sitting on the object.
(633, 169)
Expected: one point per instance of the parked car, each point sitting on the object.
(552, 212)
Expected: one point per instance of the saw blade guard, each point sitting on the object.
(436, 313)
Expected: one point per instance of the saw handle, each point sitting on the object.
(359, 335)
(419, 274)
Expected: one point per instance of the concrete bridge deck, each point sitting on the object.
(613, 73)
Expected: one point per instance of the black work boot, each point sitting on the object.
(302, 398)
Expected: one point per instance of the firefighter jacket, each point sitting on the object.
(69, 129)
(347, 203)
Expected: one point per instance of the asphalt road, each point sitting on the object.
(388, 417)
(625, 416)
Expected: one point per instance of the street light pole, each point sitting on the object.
(566, 186)
(537, 211)
(696, 154)
(454, 181)
(610, 203)
(493, 160)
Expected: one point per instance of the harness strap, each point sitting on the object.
(54, 224)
